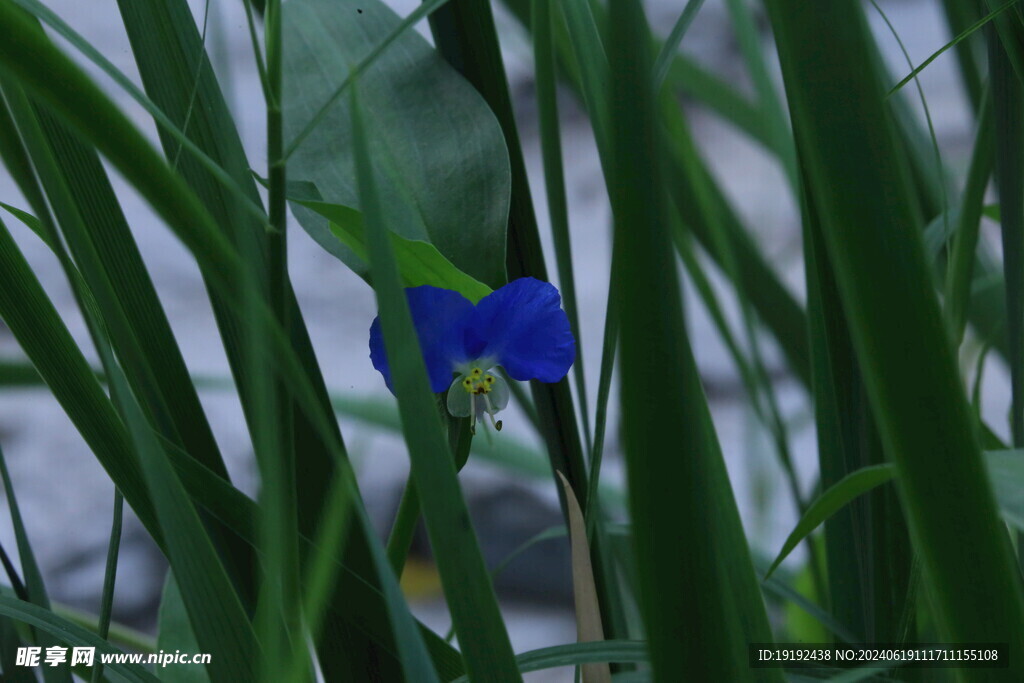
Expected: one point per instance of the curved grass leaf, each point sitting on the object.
(960, 37)
(828, 503)
(36, 326)
(167, 127)
(34, 585)
(178, 76)
(622, 651)
(670, 47)
(960, 273)
(72, 635)
(470, 595)
(784, 592)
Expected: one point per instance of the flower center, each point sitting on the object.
(476, 382)
(476, 393)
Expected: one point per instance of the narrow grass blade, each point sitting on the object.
(622, 651)
(1010, 29)
(476, 54)
(554, 180)
(962, 36)
(1008, 110)
(110, 576)
(828, 503)
(465, 35)
(749, 39)
(218, 618)
(468, 589)
(671, 45)
(168, 128)
(665, 414)
(359, 588)
(175, 633)
(844, 135)
(960, 272)
(34, 585)
(960, 14)
(773, 586)
(867, 548)
(169, 53)
(72, 635)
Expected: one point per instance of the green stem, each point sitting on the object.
(404, 528)
(109, 576)
(460, 439)
(283, 573)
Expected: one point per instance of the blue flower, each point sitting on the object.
(520, 327)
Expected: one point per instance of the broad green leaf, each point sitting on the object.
(439, 153)
(419, 262)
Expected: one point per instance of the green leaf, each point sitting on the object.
(960, 37)
(577, 654)
(72, 635)
(468, 589)
(419, 262)
(175, 633)
(179, 77)
(1006, 473)
(443, 166)
(828, 503)
(845, 137)
(960, 272)
(30, 568)
(679, 488)
(668, 50)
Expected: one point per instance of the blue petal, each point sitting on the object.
(440, 317)
(522, 326)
